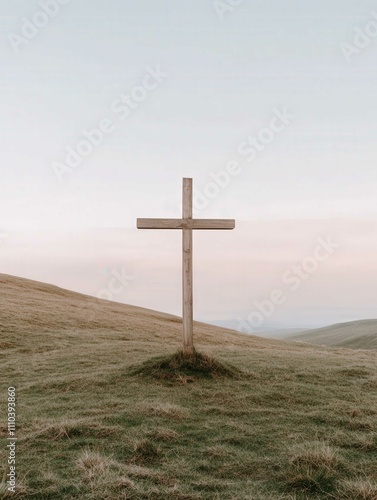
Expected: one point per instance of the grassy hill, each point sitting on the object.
(353, 335)
(105, 412)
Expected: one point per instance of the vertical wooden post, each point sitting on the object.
(188, 315)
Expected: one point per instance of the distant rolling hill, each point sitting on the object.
(276, 332)
(360, 334)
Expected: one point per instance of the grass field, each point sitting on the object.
(352, 335)
(106, 411)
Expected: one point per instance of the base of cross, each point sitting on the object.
(188, 350)
(181, 369)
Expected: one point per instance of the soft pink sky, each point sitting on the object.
(232, 269)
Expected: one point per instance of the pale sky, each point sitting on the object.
(290, 74)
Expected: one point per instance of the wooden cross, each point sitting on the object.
(187, 224)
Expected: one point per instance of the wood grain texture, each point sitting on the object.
(187, 279)
(159, 224)
(186, 224)
(213, 223)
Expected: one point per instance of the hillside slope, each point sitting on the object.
(289, 421)
(353, 335)
(44, 316)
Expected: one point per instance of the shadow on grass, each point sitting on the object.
(183, 369)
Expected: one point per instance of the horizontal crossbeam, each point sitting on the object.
(186, 223)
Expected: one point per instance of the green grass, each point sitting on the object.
(114, 412)
(352, 335)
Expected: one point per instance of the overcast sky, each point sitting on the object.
(279, 95)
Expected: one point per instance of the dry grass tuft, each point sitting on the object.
(126, 483)
(71, 428)
(145, 452)
(312, 468)
(358, 490)
(93, 465)
(315, 454)
(164, 435)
